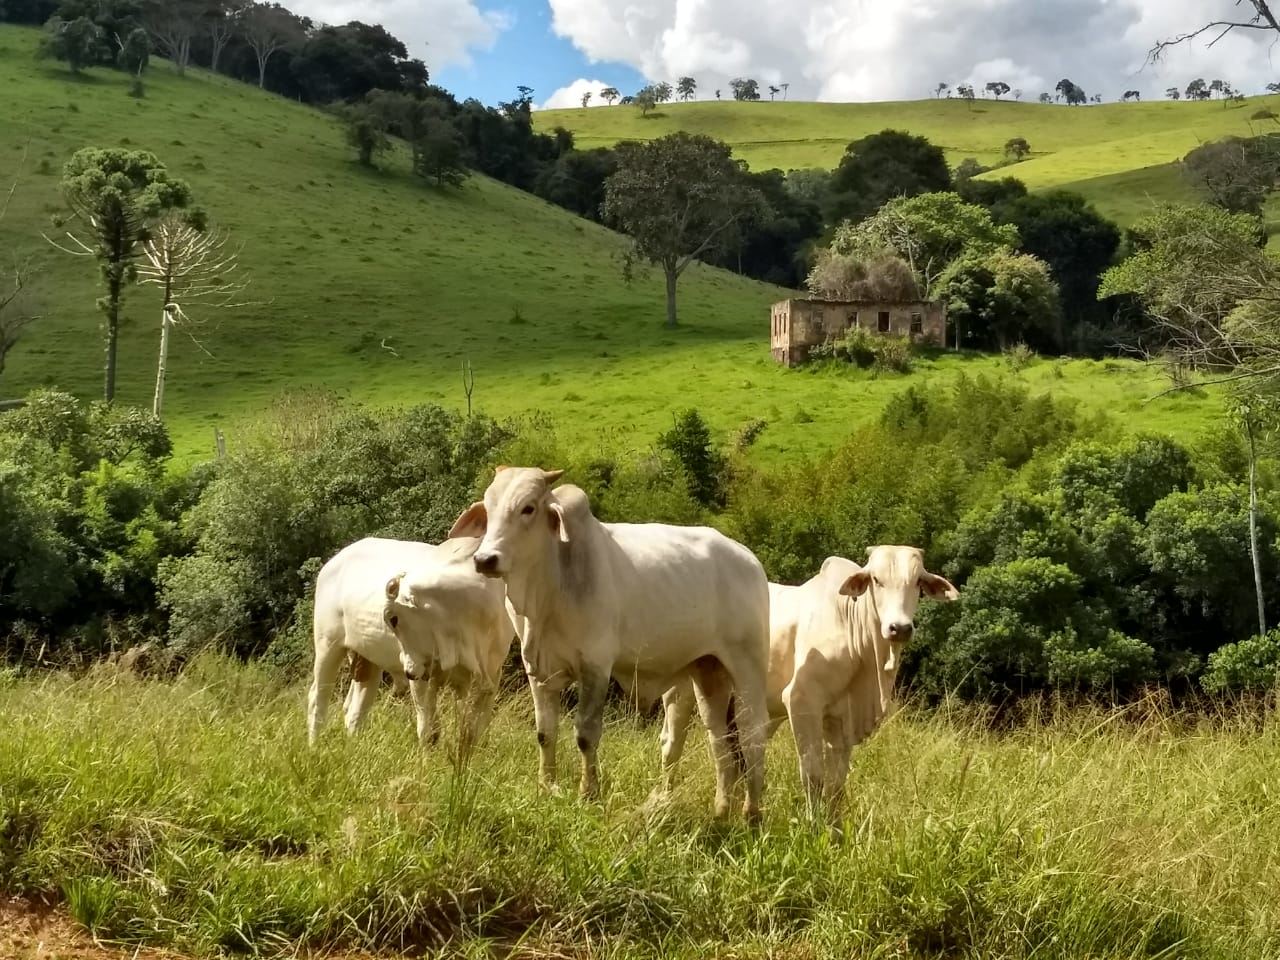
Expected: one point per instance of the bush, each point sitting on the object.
(1250, 666)
(865, 350)
(1019, 356)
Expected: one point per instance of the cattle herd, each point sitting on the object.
(681, 613)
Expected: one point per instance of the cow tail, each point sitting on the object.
(735, 740)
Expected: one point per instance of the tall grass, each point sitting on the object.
(190, 813)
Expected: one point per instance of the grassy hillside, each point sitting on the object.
(1077, 147)
(374, 285)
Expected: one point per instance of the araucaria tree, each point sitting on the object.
(678, 197)
(191, 267)
(117, 196)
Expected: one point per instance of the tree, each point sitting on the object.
(785, 87)
(1001, 298)
(686, 87)
(365, 128)
(135, 53)
(965, 92)
(940, 89)
(997, 88)
(717, 94)
(774, 91)
(13, 317)
(662, 92)
(1016, 149)
(1070, 93)
(992, 194)
(646, 100)
(967, 169)
(173, 24)
(882, 277)
(439, 155)
(586, 99)
(191, 266)
(576, 180)
(1197, 89)
(1046, 98)
(1017, 94)
(268, 28)
(1263, 20)
(609, 94)
(928, 232)
(1134, 95)
(221, 22)
(888, 164)
(689, 441)
(1235, 174)
(75, 42)
(117, 196)
(745, 89)
(1273, 88)
(677, 197)
(1173, 93)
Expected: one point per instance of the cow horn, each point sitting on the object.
(551, 476)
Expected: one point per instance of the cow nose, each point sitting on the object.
(901, 631)
(486, 562)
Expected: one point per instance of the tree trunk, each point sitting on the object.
(1253, 527)
(158, 403)
(113, 331)
(217, 53)
(671, 293)
(262, 72)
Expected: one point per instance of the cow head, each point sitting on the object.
(427, 609)
(515, 515)
(896, 579)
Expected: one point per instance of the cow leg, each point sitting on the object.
(425, 693)
(713, 688)
(838, 748)
(324, 677)
(678, 705)
(751, 716)
(365, 678)
(480, 700)
(806, 727)
(593, 690)
(546, 718)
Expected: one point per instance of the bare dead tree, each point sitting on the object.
(1262, 20)
(191, 267)
(13, 287)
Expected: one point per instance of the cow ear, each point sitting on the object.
(472, 522)
(855, 585)
(555, 513)
(937, 588)
(499, 468)
(393, 586)
(551, 476)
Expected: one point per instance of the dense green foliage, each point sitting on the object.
(885, 165)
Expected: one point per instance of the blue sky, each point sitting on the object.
(529, 52)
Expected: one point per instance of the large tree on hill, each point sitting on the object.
(677, 197)
(997, 88)
(117, 196)
(877, 168)
(745, 89)
(686, 88)
(1070, 92)
(609, 94)
(173, 24)
(1235, 173)
(77, 43)
(268, 28)
(662, 92)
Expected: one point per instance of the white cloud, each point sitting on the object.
(441, 33)
(901, 49)
(571, 96)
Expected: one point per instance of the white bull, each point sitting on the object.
(649, 604)
(835, 648)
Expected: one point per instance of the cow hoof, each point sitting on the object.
(551, 789)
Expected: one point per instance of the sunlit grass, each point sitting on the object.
(191, 813)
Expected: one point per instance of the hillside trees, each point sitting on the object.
(267, 28)
(609, 94)
(686, 87)
(77, 43)
(117, 196)
(677, 197)
(173, 24)
(1017, 148)
(745, 89)
(1070, 93)
(365, 128)
(1000, 298)
(883, 166)
(219, 24)
(1235, 173)
(997, 88)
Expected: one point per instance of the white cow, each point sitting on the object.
(351, 620)
(649, 604)
(835, 648)
(453, 629)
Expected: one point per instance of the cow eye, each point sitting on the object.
(528, 511)
(876, 581)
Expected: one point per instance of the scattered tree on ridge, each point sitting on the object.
(1017, 148)
(1131, 95)
(117, 196)
(940, 89)
(1046, 98)
(609, 94)
(1069, 92)
(586, 99)
(785, 87)
(774, 91)
(677, 197)
(686, 87)
(646, 100)
(1173, 93)
(662, 92)
(997, 88)
(1197, 89)
(744, 89)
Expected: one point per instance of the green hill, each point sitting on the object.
(379, 287)
(1117, 154)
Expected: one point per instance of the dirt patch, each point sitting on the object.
(31, 930)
